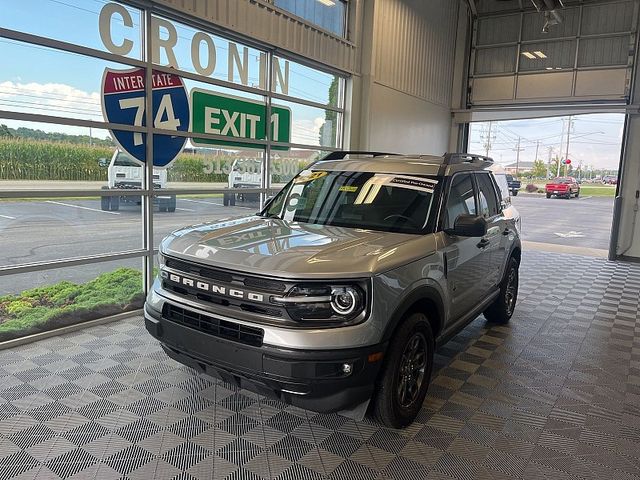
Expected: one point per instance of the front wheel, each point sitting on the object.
(548, 195)
(577, 193)
(515, 193)
(406, 374)
(501, 310)
(105, 203)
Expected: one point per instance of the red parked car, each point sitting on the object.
(563, 187)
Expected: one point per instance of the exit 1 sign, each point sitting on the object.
(236, 118)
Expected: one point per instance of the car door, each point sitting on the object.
(466, 265)
(493, 245)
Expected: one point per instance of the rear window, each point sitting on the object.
(124, 160)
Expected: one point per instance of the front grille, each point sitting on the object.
(213, 326)
(231, 302)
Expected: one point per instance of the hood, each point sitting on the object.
(275, 247)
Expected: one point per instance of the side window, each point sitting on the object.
(487, 196)
(460, 200)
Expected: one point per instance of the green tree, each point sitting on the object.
(330, 117)
(5, 132)
(539, 169)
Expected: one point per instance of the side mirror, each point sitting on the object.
(468, 226)
(103, 162)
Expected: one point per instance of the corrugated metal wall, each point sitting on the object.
(272, 26)
(414, 47)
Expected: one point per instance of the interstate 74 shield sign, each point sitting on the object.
(123, 101)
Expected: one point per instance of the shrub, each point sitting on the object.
(531, 188)
(67, 303)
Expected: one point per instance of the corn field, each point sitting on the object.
(28, 159)
(25, 159)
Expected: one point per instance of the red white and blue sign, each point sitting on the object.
(123, 101)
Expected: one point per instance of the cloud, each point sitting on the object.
(55, 99)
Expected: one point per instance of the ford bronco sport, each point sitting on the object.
(335, 296)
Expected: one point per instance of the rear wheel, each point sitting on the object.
(232, 199)
(105, 203)
(225, 199)
(171, 204)
(577, 193)
(501, 310)
(515, 193)
(115, 203)
(406, 374)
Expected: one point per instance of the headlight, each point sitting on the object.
(330, 303)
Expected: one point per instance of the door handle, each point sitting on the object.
(483, 243)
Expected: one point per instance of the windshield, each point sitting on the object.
(124, 160)
(373, 201)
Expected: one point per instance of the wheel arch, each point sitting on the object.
(424, 299)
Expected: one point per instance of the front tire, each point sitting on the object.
(501, 310)
(115, 204)
(404, 380)
(105, 203)
(548, 195)
(515, 193)
(577, 193)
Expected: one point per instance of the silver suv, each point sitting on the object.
(335, 296)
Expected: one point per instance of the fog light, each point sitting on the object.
(347, 368)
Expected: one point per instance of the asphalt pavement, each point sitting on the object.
(583, 222)
(45, 230)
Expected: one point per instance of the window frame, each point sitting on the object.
(496, 195)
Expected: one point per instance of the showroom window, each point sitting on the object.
(120, 130)
(330, 15)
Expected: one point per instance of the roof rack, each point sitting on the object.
(456, 158)
(340, 155)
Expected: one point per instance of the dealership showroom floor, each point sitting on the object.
(554, 394)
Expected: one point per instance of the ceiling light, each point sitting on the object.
(540, 54)
(328, 3)
(529, 55)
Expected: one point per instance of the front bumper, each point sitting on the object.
(310, 379)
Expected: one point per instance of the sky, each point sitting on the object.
(594, 139)
(36, 79)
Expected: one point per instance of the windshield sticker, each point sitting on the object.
(308, 176)
(405, 181)
(348, 188)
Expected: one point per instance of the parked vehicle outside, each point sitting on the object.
(565, 187)
(610, 180)
(335, 296)
(514, 184)
(126, 173)
(245, 173)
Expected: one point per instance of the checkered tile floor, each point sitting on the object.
(556, 394)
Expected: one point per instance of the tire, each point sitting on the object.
(232, 199)
(115, 204)
(105, 203)
(515, 193)
(225, 199)
(501, 310)
(548, 195)
(171, 205)
(412, 340)
(577, 193)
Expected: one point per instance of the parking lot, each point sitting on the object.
(42, 230)
(583, 222)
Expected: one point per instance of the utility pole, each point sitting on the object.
(488, 140)
(566, 156)
(518, 150)
(550, 149)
